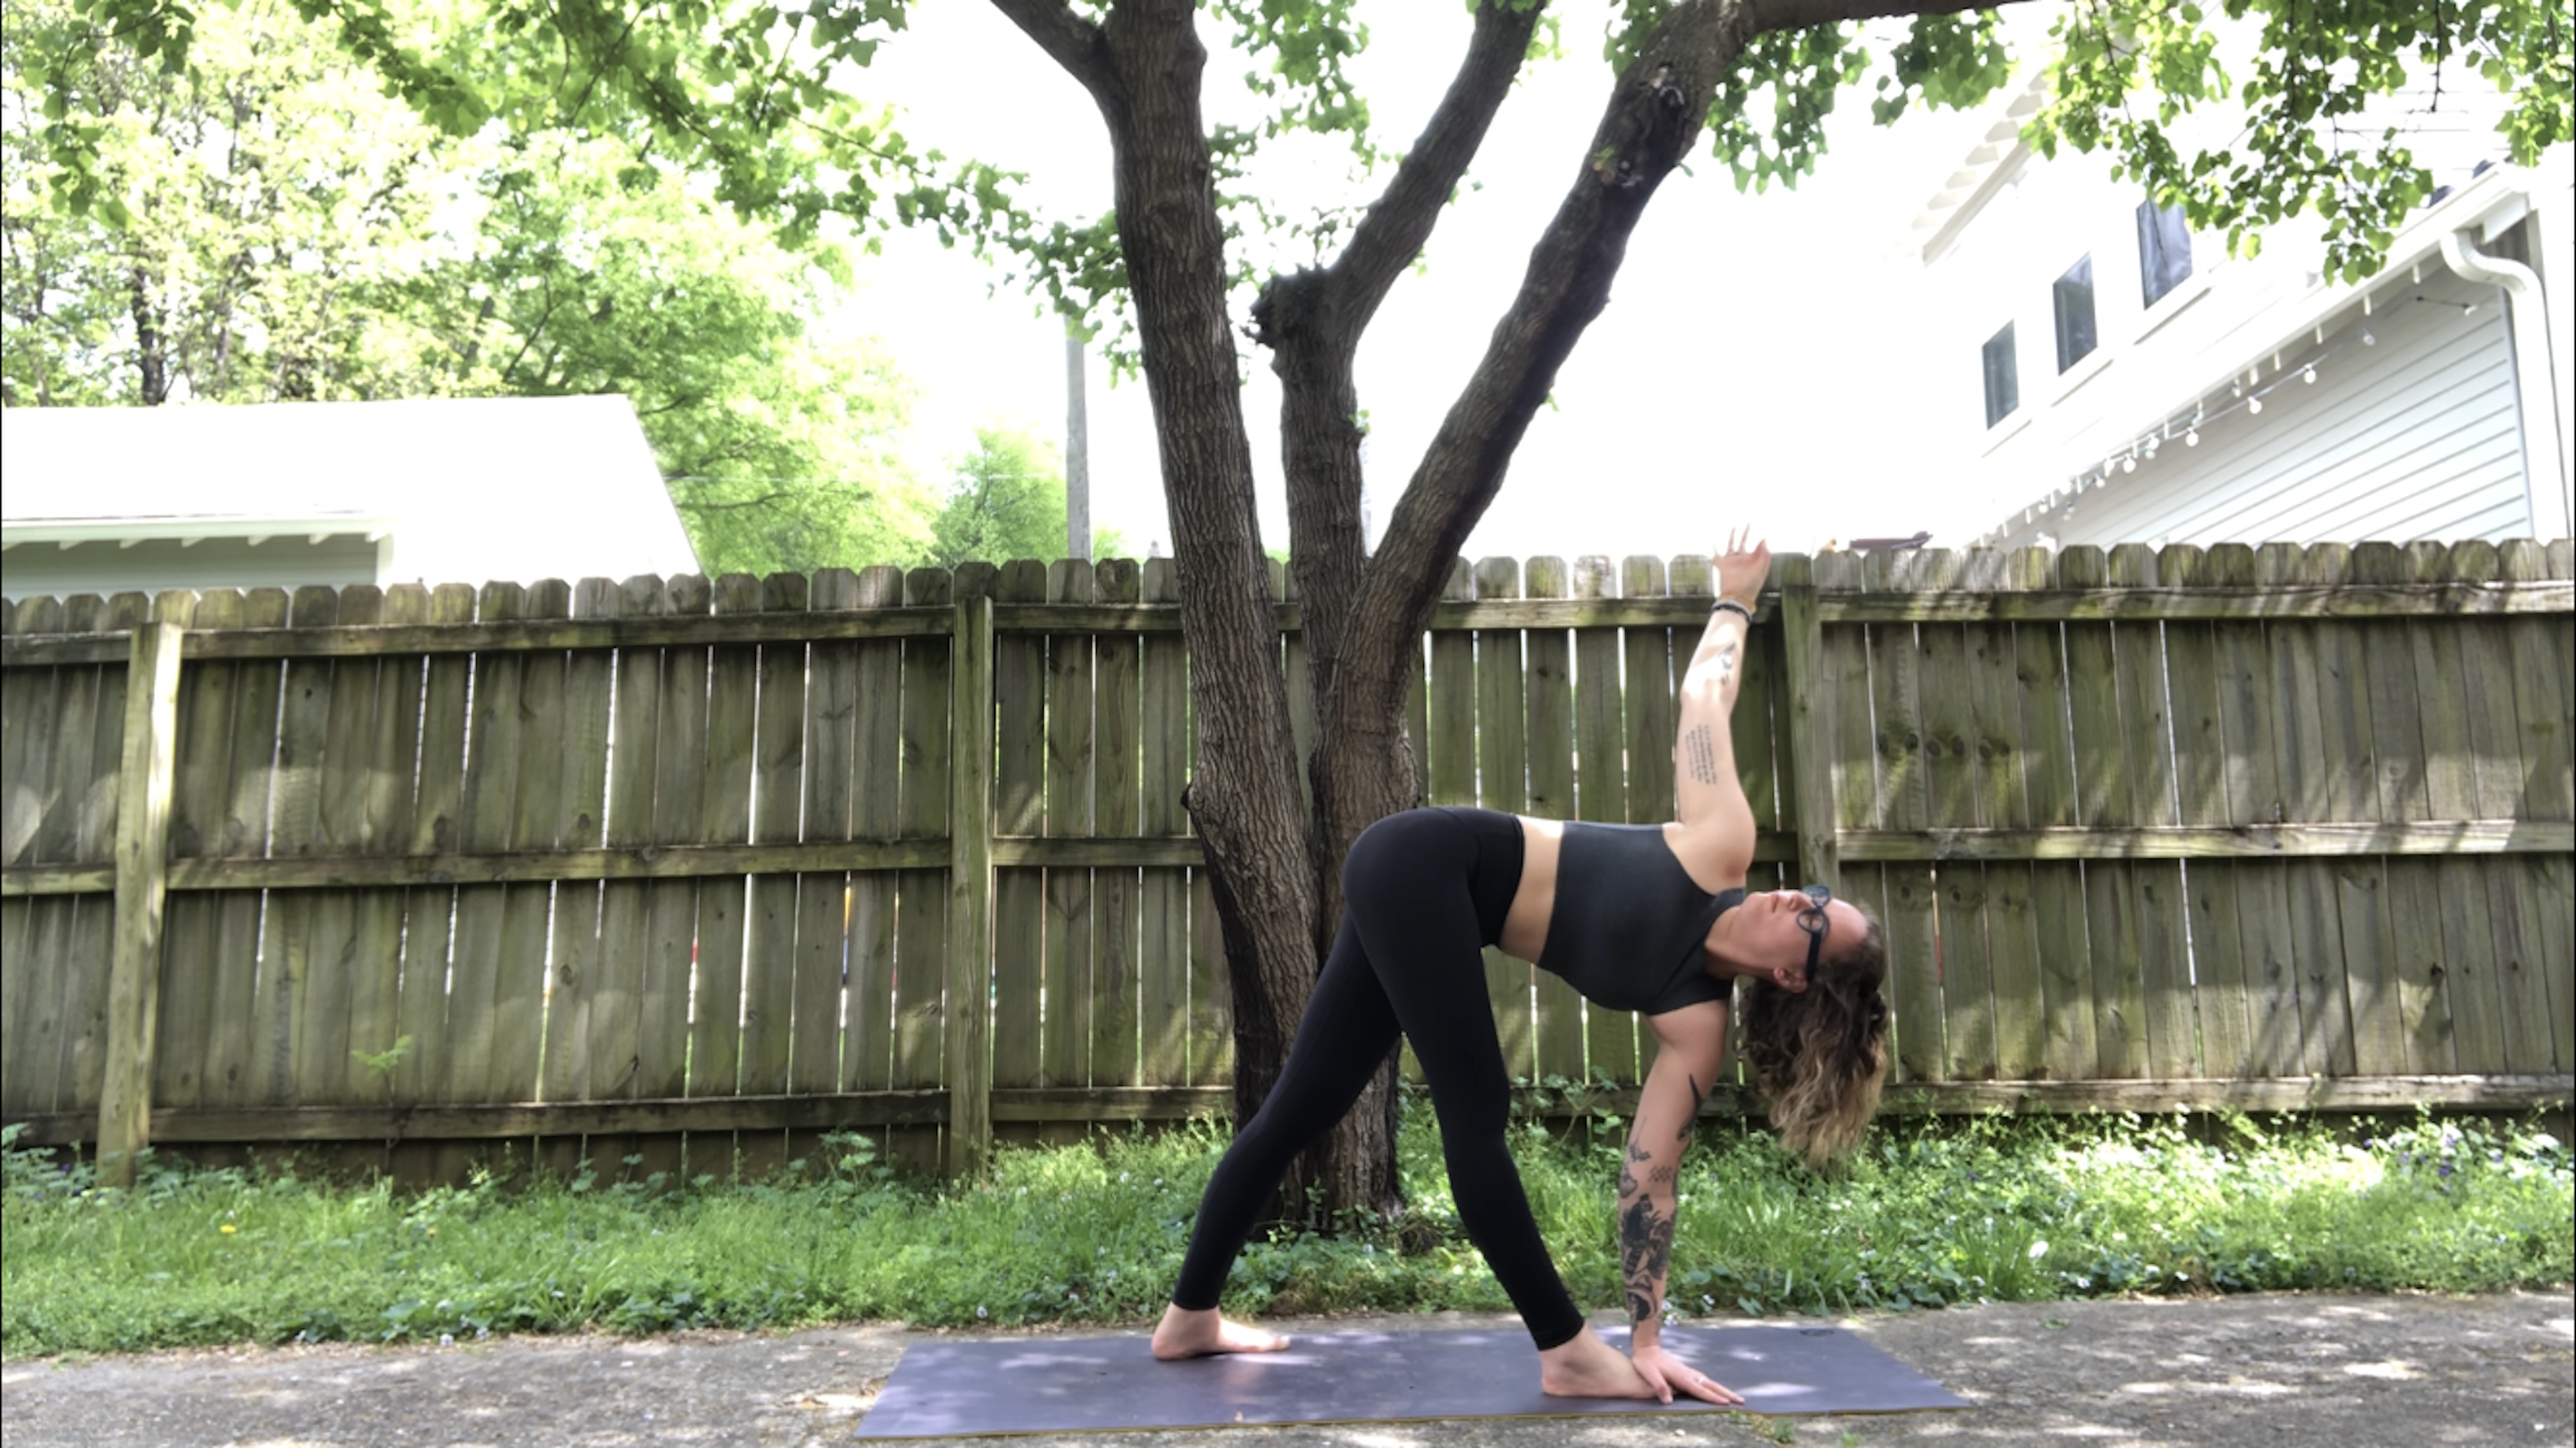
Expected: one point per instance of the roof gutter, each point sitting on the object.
(2544, 427)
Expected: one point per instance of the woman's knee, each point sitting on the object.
(1485, 1182)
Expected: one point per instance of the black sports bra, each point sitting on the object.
(1629, 921)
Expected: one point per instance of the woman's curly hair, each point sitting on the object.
(1820, 1054)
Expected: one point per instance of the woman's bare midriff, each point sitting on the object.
(1534, 903)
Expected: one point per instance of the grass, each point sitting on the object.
(1929, 1216)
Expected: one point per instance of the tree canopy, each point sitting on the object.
(284, 230)
(1006, 499)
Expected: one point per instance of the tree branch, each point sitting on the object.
(1391, 235)
(763, 501)
(1657, 111)
(1761, 17)
(1073, 42)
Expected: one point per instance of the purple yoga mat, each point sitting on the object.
(1068, 1384)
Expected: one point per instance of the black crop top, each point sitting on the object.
(1629, 921)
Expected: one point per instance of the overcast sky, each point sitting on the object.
(1754, 363)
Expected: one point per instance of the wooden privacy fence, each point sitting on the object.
(678, 867)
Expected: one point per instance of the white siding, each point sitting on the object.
(2416, 436)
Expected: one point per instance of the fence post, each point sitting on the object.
(970, 891)
(1809, 737)
(142, 869)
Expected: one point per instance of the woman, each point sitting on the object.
(1653, 918)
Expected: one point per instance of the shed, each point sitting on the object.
(427, 490)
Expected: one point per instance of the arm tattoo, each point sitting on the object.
(1703, 758)
(1645, 1252)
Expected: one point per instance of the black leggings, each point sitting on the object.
(1423, 893)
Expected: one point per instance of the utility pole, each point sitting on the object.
(1077, 451)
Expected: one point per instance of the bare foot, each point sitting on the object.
(1586, 1367)
(1185, 1334)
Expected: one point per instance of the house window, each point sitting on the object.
(2075, 332)
(2003, 380)
(2164, 249)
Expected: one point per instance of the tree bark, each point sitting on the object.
(1142, 66)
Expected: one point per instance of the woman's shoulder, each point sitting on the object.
(1715, 860)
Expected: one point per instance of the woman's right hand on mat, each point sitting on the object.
(1668, 1375)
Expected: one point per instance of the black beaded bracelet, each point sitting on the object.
(1733, 606)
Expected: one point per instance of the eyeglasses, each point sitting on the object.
(1814, 921)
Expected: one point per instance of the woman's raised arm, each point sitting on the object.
(1707, 793)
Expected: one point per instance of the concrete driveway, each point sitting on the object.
(2297, 1371)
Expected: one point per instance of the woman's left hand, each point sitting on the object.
(1743, 568)
(1668, 1375)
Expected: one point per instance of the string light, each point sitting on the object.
(2246, 392)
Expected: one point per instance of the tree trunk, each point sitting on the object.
(1243, 796)
(151, 351)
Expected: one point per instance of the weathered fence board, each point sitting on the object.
(1601, 783)
(1547, 680)
(921, 808)
(1029, 998)
(1162, 1042)
(715, 1038)
(867, 1055)
(677, 805)
(1109, 995)
(1502, 783)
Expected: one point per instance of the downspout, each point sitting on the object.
(2544, 429)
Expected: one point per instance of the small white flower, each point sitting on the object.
(979, 1312)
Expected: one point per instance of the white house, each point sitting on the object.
(431, 490)
(2112, 378)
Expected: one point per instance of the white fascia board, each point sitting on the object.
(2499, 197)
(135, 530)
